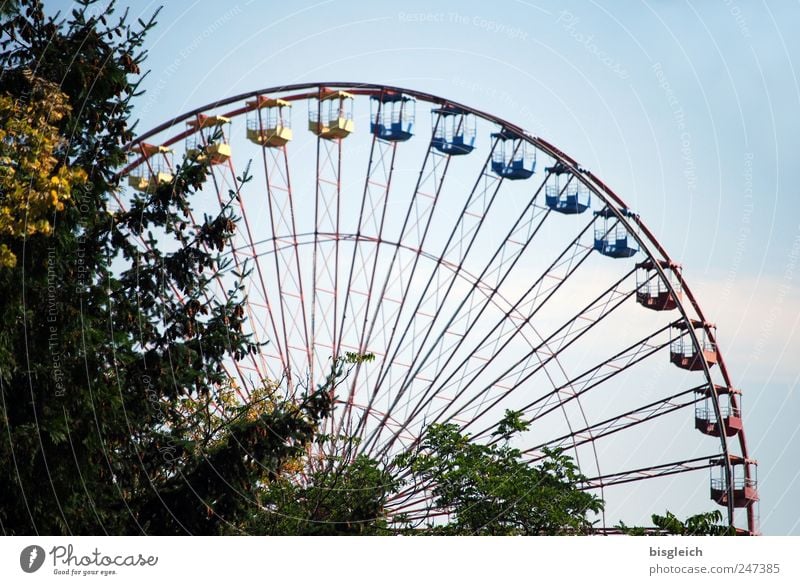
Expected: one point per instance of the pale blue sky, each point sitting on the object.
(688, 110)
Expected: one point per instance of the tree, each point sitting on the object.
(703, 524)
(119, 411)
(33, 186)
(489, 489)
(117, 408)
(346, 499)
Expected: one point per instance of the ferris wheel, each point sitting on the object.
(485, 270)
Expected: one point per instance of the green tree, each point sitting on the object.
(8, 7)
(117, 409)
(489, 489)
(348, 499)
(703, 524)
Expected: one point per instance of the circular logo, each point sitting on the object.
(31, 558)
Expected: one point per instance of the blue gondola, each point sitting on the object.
(392, 116)
(568, 197)
(453, 130)
(610, 236)
(513, 158)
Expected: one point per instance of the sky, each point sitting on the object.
(688, 110)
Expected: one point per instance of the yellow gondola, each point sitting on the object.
(153, 171)
(203, 144)
(331, 115)
(268, 123)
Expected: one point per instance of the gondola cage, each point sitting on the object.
(684, 353)
(155, 169)
(269, 122)
(454, 130)
(744, 481)
(611, 238)
(651, 290)
(564, 193)
(392, 116)
(330, 115)
(209, 139)
(512, 158)
(729, 421)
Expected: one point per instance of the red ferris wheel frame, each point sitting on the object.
(692, 319)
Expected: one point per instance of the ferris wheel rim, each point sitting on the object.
(648, 243)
